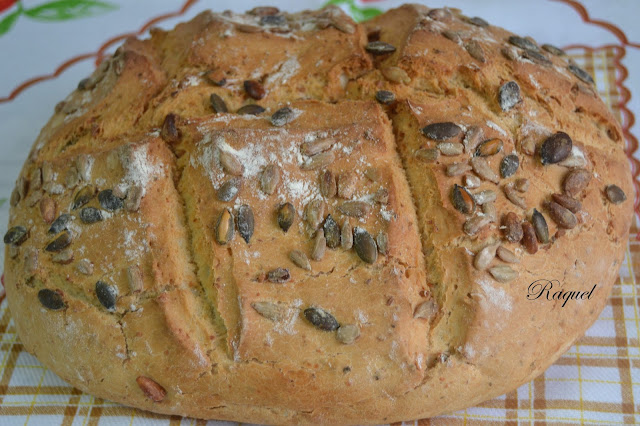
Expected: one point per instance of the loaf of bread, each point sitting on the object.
(294, 218)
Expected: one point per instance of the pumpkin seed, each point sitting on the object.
(355, 208)
(328, 186)
(512, 227)
(478, 22)
(482, 169)
(615, 194)
(300, 259)
(457, 169)
(485, 256)
(250, 109)
(254, 89)
(385, 97)
(540, 226)
(426, 310)
(60, 223)
(321, 319)
(346, 236)
(529, 240)
(319, 245)
(314, 213)
(16, 235)
(396, 75)
(60, 243)
(503, 273)
(84, 267)
(317, 146)
(170, 132)
(229, 190)
(451, 148)
(428, 155)
(64, 257)
(553, 50)
(347, 334)
(475, 50)
(489, 147)
(379, 48)
(217, 104)
(571, 204)
(509, 95)
(282, 116)
(555, 148)
(475, 224)
(269, 310)
(270, 178)
(347, 185)
(575, 181)
(483, 197)
(507, 255)
(563, 217)
(151, 389)
(30, 261)
(462, 200)
(319, 161)
(134, 198)
(441, 131)
(364, 245)
(521, 184)
(51, 299)
(230, 163)
(286, 216)
(514, 196)
(472, 138)
(382, 240)
(108, 201)
(581, 74)
(83, 196)
(225, 227)
(524, 43)
(278, 275)
(245, 222)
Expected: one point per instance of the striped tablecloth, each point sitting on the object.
(596, 382)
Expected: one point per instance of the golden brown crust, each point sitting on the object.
(185, 296)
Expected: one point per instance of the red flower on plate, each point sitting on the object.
(6, 4)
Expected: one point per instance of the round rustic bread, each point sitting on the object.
(292, 218)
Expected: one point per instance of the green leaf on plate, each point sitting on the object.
(367, 13)
(62, 10)
(8, 21)
(358, 13)
(2, 201)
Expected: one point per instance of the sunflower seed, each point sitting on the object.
(482, 169)
(462, 200)
(385, 97)
(426, 310)
(396, 75)
(615, 194)
(53, 188)
(315, 147)
(355, 208)
(250, 109)
(328, 187)
(217, 104)
(512, 227)
(84, 267)
(215, 77)
(536, 57)
(346, 235)
(472, 138)
(15, 197)
(428, 155)
(48, 209)
(454, 36)
(83, 197)
(478, 22)
(503, 273)
(230, 163)
(379, 48)
(521, 184)
(72, 178)
(51, 299)
(509, 165)
(282, 116)
(108, 201)
(510, 53)
(457, 169)
(278, 275)
(581, 74)
(35, 180)
(225, 227)
(170, 133)
(245, 28)
(60, 243)
(381, 196)
(364, 245)
(30, 261)
(523, 43)
(489, 210)
(300, 259)
(529, 240)
(486, 196)
(451, 148)
(245, 222)
(475, 50)
(134, 198)
(540, 226)
(555, 148)
(563, 217)
(151, 389)
(64, 257)
(269, 310)
(475, 224)
(485, 256)
(343, 24)
(507, 255)
(382, 240)
(319, 245)
(135, 278)
(331, 232)
(60, 224)
(571, 204)
(254, 89)
(514, 196)
(441, 131)
(509, 95)
(489, 147)
(270, 178)
(553, 50)
(575, 181)
(347, 334)
(319, 161)
(528, 145)
(229, 190)
(286, 216)
(347, 183)
(47, 172)
(313, 213)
